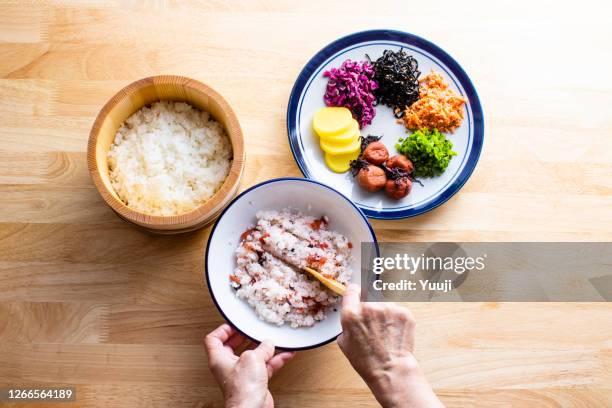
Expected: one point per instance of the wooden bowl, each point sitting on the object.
(129, 100)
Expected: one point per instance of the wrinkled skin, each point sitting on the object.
(243, 379)
(378, 340)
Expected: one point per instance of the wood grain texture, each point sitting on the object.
(88, 300)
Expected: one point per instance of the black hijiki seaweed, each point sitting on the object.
(397, 76)
(357, 165)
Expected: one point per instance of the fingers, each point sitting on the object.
(235, 340)
(404, 315)
(219, 356)
(218, 337)
(278, 361)
(351, 304)
(351, 301)
(265, 350)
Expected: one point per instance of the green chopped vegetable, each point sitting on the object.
(429, 151)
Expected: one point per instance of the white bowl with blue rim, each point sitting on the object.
(307, 97)
(309, 197)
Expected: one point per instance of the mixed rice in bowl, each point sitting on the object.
(269, 263)
(257, 251)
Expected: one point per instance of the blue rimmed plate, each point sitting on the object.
(307, 97)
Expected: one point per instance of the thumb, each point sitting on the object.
(265, 350)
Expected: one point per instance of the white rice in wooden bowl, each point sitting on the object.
(169, 158)
(268, 263)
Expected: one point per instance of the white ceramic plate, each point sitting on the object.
(307, 97)
(311, 198)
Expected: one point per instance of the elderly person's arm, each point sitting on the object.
(378, 340)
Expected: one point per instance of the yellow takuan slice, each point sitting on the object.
(331, 121)
(340, 163)
(351, 147)
(345, 137)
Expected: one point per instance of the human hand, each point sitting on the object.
(378, 340)
(243, 379)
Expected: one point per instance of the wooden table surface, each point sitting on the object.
(87, 300)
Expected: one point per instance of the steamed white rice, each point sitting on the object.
(269, 259)
(169, 158)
